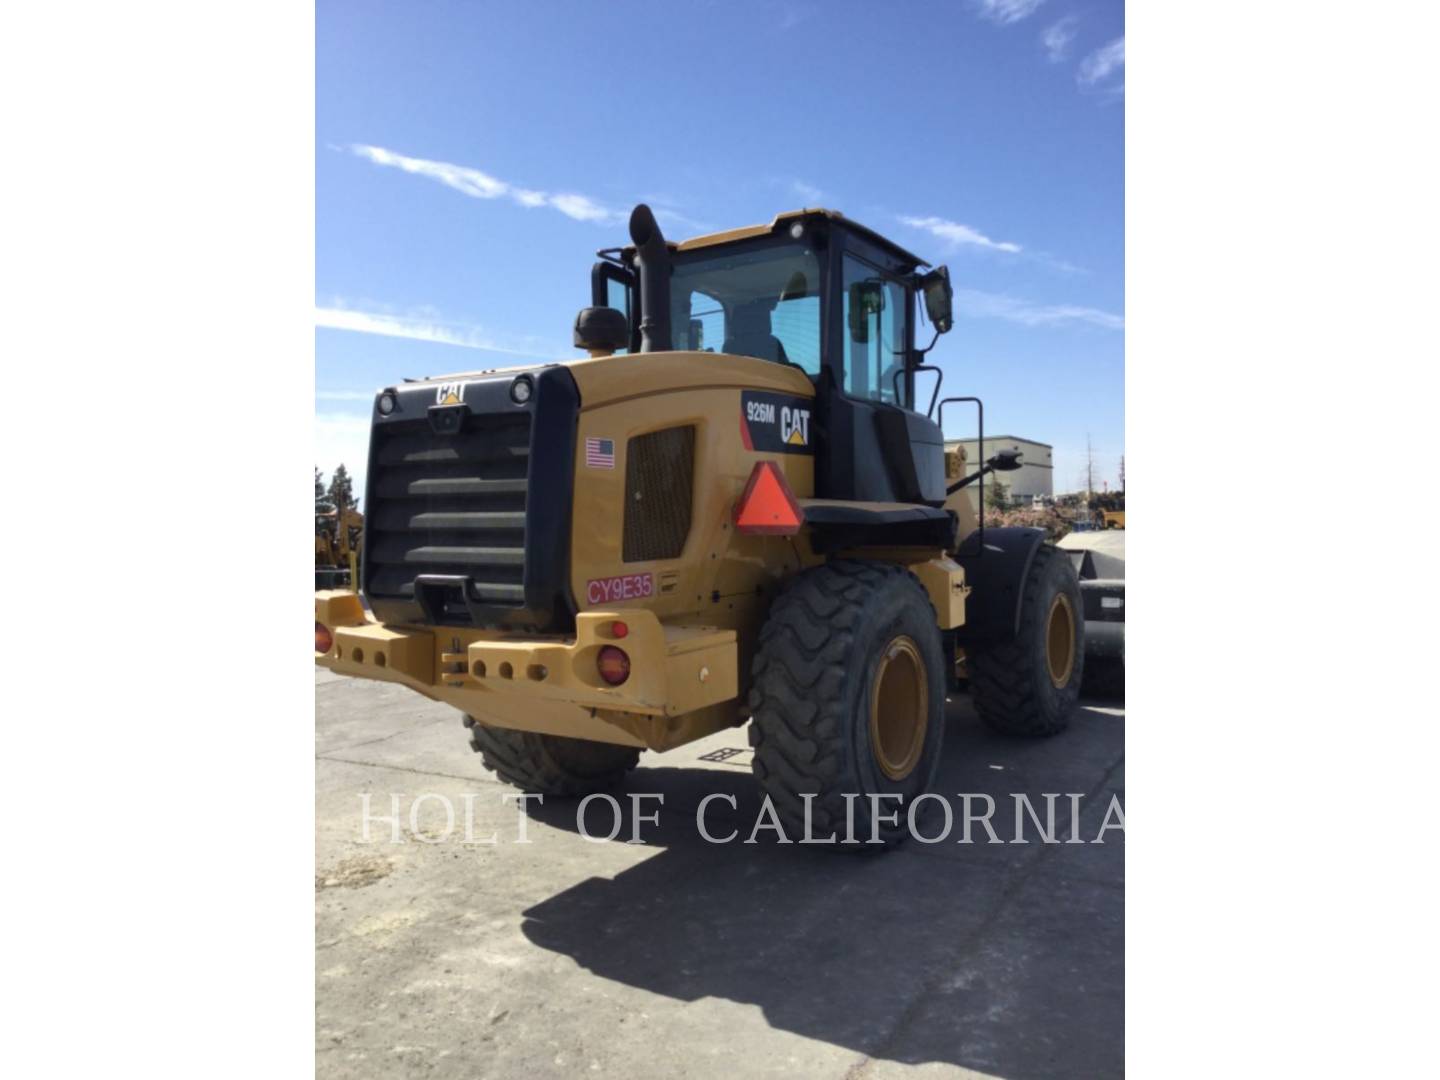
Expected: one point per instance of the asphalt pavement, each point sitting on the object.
(444, 955)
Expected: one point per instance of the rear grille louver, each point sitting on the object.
(450, 505)
(659, 481)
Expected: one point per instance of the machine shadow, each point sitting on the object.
(1007, 958)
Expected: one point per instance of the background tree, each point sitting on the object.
(997, 495)
(340, 490)
(319, 484)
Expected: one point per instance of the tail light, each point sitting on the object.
(613, 664)
(768, 505)
(324, 642)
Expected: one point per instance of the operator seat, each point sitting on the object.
(750, 336)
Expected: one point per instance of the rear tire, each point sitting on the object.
(848, 696)
(551, 764)
(1030, 684)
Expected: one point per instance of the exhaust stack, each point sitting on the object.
(652, 260)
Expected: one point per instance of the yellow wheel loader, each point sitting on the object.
(731, 510)
(337, 544)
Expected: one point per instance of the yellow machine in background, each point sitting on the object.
(731, 511)
(338, 540)
(1114, 519)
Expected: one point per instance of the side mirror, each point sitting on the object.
(601, 330)
(1006, 460)
(938, 299)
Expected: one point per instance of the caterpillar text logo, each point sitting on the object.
(450, 393)
(795, 426)
(775, 422)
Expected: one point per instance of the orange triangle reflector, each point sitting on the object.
(768, 505)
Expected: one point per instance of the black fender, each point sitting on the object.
(836, 526)
(996, 576)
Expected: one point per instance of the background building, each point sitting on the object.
(1036, 475)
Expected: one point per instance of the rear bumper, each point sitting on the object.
(683, 679)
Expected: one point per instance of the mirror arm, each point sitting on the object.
(994, 464)
(988, 467)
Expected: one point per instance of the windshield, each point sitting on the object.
(762, 302)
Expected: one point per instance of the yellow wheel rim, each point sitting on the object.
(1060, 640)
(899, 708)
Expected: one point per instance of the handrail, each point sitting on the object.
(980, 412)
(895, 379)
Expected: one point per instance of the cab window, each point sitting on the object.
(705, 328)
(617, 296)
(763, 302)
(875, 325)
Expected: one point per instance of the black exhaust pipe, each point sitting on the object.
(652, 260)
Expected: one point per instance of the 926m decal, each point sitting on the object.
(775, 423)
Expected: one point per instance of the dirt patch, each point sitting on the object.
(354, 873)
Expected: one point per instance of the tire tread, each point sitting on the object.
(1004, 677)
(549, 764)
(798, 700)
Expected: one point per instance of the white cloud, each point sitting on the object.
(421, 328)
(480, 185)
(957, 235)
(467, 181)
(582, 208)
(983, 305)
(812, 195)
(1005, 12)
(1101, 63)
(674, 217)
(1058, 37)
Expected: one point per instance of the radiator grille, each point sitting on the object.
(659, 476)
(450, 504)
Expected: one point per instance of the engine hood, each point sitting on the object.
(608, 379)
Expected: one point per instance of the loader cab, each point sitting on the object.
(818, 292)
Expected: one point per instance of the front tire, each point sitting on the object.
(848, 697)
(1030, 684)
(551, 764)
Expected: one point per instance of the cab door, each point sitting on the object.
(877, 448)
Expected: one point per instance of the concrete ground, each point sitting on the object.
(679, 958)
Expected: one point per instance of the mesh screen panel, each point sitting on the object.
(659, 475)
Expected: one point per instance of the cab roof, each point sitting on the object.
(748, 231)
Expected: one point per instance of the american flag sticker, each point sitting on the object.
(600, 453)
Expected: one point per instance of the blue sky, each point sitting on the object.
(471, 157)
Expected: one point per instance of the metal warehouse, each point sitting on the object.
(1036, 475)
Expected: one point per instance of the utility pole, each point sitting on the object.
(1122, 474)
(1089, 469)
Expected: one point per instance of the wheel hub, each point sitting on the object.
(1060, 640)
(899, 708)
